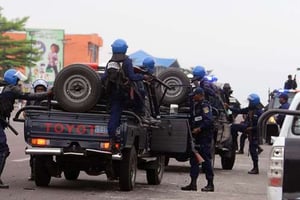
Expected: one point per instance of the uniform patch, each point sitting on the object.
(199, 118)
(206, 110)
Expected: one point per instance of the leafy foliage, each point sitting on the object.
(15, 53)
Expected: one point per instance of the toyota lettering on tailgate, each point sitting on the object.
(79, 129)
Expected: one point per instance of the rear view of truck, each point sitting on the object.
(284, 165)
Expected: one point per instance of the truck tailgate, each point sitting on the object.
(65, 127)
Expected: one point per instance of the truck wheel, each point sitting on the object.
(77, 88)
(228, 159)
(128, 169)
(71, 174)
(167, 160)
(42, 175)
(181, 86)
(154, 176)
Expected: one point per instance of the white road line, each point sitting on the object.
(21, 160)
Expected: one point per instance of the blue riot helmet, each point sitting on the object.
(148, 64)
(119, 46)
(198, 72)
(254, 100)
(12, 76)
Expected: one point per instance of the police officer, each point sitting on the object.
(284, 104)
(202, 124)
(252, 112)
(39, 85)
(9, 92)
(141, 99)
(118, 95)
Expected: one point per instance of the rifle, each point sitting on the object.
(196, 153)
(142, 71)
(9, 126)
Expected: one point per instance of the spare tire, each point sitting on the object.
(180, 84)
(77, 88)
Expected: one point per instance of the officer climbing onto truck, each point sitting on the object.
(252, 112)
(117, 79)
(201, 125)
(141, 100)
(9, 92)
(38, 86)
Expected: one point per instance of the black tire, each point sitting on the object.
(154, 176)
(128, 169)
(42, 175)
(180, 83)
(71, 175)
(228, 159)
(167, 160)
(77, 88)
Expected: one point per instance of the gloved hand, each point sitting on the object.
(148, 77)
(50, 93)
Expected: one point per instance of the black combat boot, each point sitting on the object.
(209, 187)
(254, 170)
(3, 186)
(191, 186)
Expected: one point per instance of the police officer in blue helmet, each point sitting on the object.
(149, 64)
(252, 113)
(201, 127)
(141, 93)
(284, 104)
(118, 78)
(199, 79)
(9, 92)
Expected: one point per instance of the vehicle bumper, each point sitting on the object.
(61, 152)
(274, 193)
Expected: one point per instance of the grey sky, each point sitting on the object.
(251, 44)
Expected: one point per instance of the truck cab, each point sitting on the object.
(273, 128)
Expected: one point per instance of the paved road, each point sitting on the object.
(233, 184)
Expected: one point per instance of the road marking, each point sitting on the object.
(21, 160)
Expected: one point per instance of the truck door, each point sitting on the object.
(171, 137)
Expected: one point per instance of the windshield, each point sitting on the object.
(274, 103)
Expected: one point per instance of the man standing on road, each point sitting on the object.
(252, 112)
(9, 92)
(39, 85)
(202, 125)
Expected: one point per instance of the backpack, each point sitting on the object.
(116, 77)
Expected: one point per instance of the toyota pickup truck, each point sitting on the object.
(284, 165)
(68, 135)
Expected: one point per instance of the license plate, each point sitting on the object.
(101, 129)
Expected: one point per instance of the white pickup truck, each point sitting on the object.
(284, 165)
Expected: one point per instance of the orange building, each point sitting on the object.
(83, 48)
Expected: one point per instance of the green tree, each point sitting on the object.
(15, 53)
